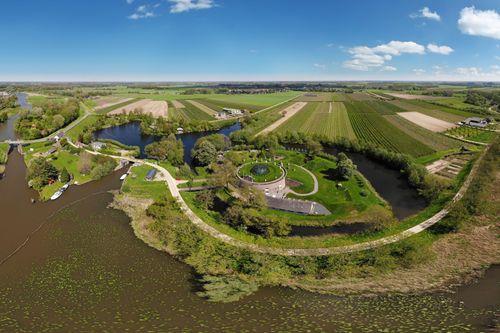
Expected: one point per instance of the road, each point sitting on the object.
(316, 185)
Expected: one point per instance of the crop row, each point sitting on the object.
(371, 127)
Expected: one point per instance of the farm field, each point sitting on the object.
(428, 122)
(176, 104)
(110, 108)
(359, 96)
(316, 97)
(154, 108)
(288, 113)
(440, 112)
(192, 113)
(329, 120)
(371, 127)
(410, 96)
(258, 100)
(204, 106)
(433, 140)
(471, 133)
(106, 102)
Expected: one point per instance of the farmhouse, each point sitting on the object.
(97, 145)
(228, 112)
(476, 122)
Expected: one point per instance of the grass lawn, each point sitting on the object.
(471, 133)
(75, 131)
(64, 159)
(261, 172)
(295, 173)
(136, 185)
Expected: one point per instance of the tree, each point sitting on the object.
(345, 167)
(169, 149)
(64, 176)
(223, 174)
(313, 148)
(205, 199)
(40, 173)
(204, 152)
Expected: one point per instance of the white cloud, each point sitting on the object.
(426, 13)
(389, 69)
(365, 58)
(477, 22)
(468, 71)
(142, 12)
(497, 58)
(418, 71)
(130, 1)
(319, 66)
(180, 6)
(443, 49)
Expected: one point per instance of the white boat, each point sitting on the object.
(56, 195)
(123, 177)
(65, 187)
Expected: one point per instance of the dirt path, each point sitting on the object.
(202, 107)
(287, 114)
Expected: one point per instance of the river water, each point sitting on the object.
(85, 270)
(130, 134)
(7, 131)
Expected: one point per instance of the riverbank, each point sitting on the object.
(426, 261)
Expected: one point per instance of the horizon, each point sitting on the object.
(259, 41)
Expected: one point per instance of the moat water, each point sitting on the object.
(84, 270)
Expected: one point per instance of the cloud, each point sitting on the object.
(497, 58)
(142, 12)
(365, 58)
(477, 22)
(439, 49)
(469, 71)
(418, 71)
(426, 13)
(330, 45)
(319, 66)
(388, 69)
(180, 6)
(130, 1)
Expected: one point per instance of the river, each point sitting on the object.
(7, 130)
(85, 270)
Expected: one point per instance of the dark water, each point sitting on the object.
(130, 134)
(22, 99)
(86, 271)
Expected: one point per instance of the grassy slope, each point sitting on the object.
(4, 149)
(298, 174)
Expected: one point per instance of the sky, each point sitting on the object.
(249, 40)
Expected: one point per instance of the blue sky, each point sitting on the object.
(208, 40)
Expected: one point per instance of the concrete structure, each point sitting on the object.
(297, 206)
(476, 122)
(275, 188)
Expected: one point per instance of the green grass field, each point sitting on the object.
(326, 119)
(4, 149)
(273, 172)
(135, 184)
(294, 173)
(434, 140)
(371, 127)
(75, 131)
(64, 159)
(191, 112)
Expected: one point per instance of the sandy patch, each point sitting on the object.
(437, 166)
(287, 114)
(107, 102)
(410, 96)
(178, 105)
(146, 106)
(203, 108)
(428, 122)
